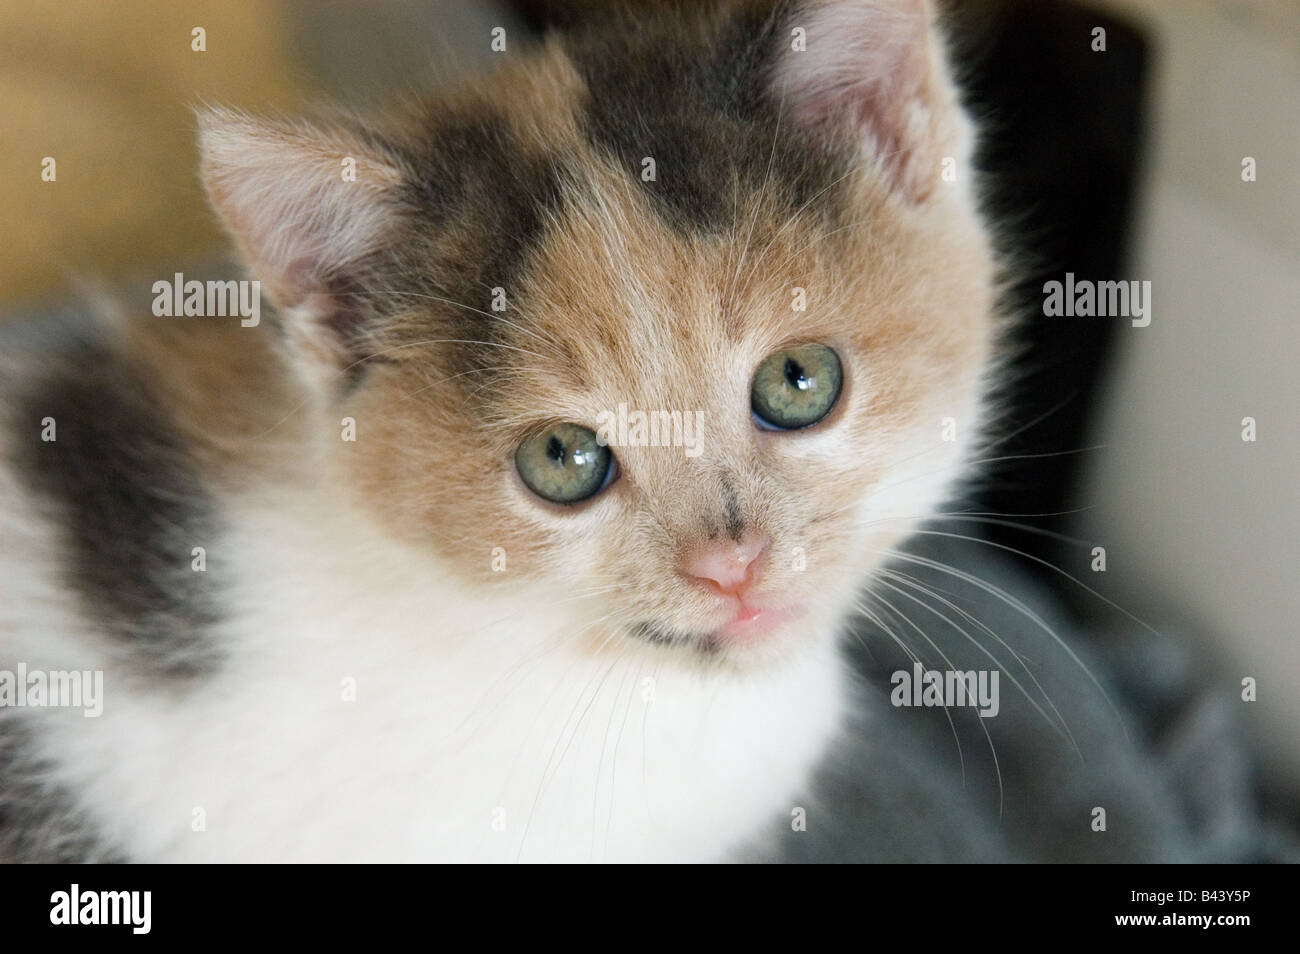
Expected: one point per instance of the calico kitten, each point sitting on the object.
(398, 573)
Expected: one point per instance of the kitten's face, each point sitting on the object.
(815, 321)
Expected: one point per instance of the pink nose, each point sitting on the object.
(725, 565)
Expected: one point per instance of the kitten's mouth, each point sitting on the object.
(747, 626)
(751, 624)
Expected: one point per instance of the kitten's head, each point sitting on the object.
(682, 319)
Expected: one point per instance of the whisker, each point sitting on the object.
(767, 177)
(559, 737)
(493, 315)
(983, 728)
(1051, 566)
(853, 169)
(1059, 725)
(600, 763)
(879, 621)
(1001, 594)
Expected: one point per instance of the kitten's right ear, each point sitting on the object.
(305, 205)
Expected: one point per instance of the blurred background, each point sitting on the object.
(1202, 527)
(1117, 164)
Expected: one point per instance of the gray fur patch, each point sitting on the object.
(129, 506)
(39, 822)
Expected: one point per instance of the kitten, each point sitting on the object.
(404, 572)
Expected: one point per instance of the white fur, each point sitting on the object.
(462, 709)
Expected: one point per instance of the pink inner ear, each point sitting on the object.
(867, 72)
(280, 192)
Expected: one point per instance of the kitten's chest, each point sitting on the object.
(350, 724)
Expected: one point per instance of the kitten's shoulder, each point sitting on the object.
(116, 440)
(207, 387)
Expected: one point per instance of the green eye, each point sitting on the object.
(796, 387)
(565, 464)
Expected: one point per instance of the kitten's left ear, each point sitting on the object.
(306, 204)
(873, 71)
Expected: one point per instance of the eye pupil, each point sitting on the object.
(794, 373)
(555, 449)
